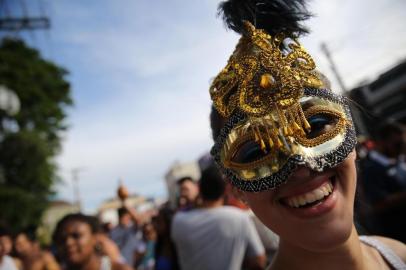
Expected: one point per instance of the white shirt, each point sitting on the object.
(7, 263)
(215, 238)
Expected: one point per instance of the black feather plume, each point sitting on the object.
(274, 16)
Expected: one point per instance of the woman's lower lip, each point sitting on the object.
(316, 210)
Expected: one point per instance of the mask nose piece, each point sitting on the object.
(301, 172)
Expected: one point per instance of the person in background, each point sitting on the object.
(75, 239)
(145, 254)
(105, 246)
(6, 261)
(126, 234)
(188, 193)
(215, 236)
(107, 227)
(269, 239)
(166, 257)
(383, 183)
(6, 239)
(29, 252)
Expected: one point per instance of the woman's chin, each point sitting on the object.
(330, 238)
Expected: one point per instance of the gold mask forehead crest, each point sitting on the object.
(260, 76)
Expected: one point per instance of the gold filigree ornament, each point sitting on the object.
(260, 148)
(261, 78)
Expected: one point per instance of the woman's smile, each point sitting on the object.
(307, 198)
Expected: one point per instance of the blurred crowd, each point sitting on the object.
(381, 189)
(209, 227)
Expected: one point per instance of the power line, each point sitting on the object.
(25, 22)
(17, 24)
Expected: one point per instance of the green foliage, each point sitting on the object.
(30, 139)
(20, 208)
(24, 157)
(40, 86)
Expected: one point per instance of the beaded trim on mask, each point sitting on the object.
(328, 160)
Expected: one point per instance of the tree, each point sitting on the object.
(30, 139)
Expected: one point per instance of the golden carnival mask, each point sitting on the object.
(279, 115)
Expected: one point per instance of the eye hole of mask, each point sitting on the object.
(321, 123)
(248, 152)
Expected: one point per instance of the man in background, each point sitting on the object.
(383, 182)
(269, 239)
(127, 234)
(188, 193)
(215, 236)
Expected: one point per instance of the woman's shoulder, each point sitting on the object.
(396, 246)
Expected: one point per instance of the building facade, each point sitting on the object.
(383, 100)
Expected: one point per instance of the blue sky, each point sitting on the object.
(140, 72)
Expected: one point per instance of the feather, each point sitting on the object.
(274, 16)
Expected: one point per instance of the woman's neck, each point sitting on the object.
(348, 255)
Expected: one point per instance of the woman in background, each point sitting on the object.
(76, 241)
(165, 252)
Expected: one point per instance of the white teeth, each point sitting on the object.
(302, 200)
(318, 193)
(311, 196)
(329, 187)
(325, 191)
(294, 202)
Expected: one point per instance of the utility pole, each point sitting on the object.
(333, 67)
(12, 23)
(76, 190)
(355, 112)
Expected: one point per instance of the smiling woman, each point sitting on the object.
(76, 240)
(286, 142)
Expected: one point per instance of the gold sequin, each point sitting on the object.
(282, 74)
